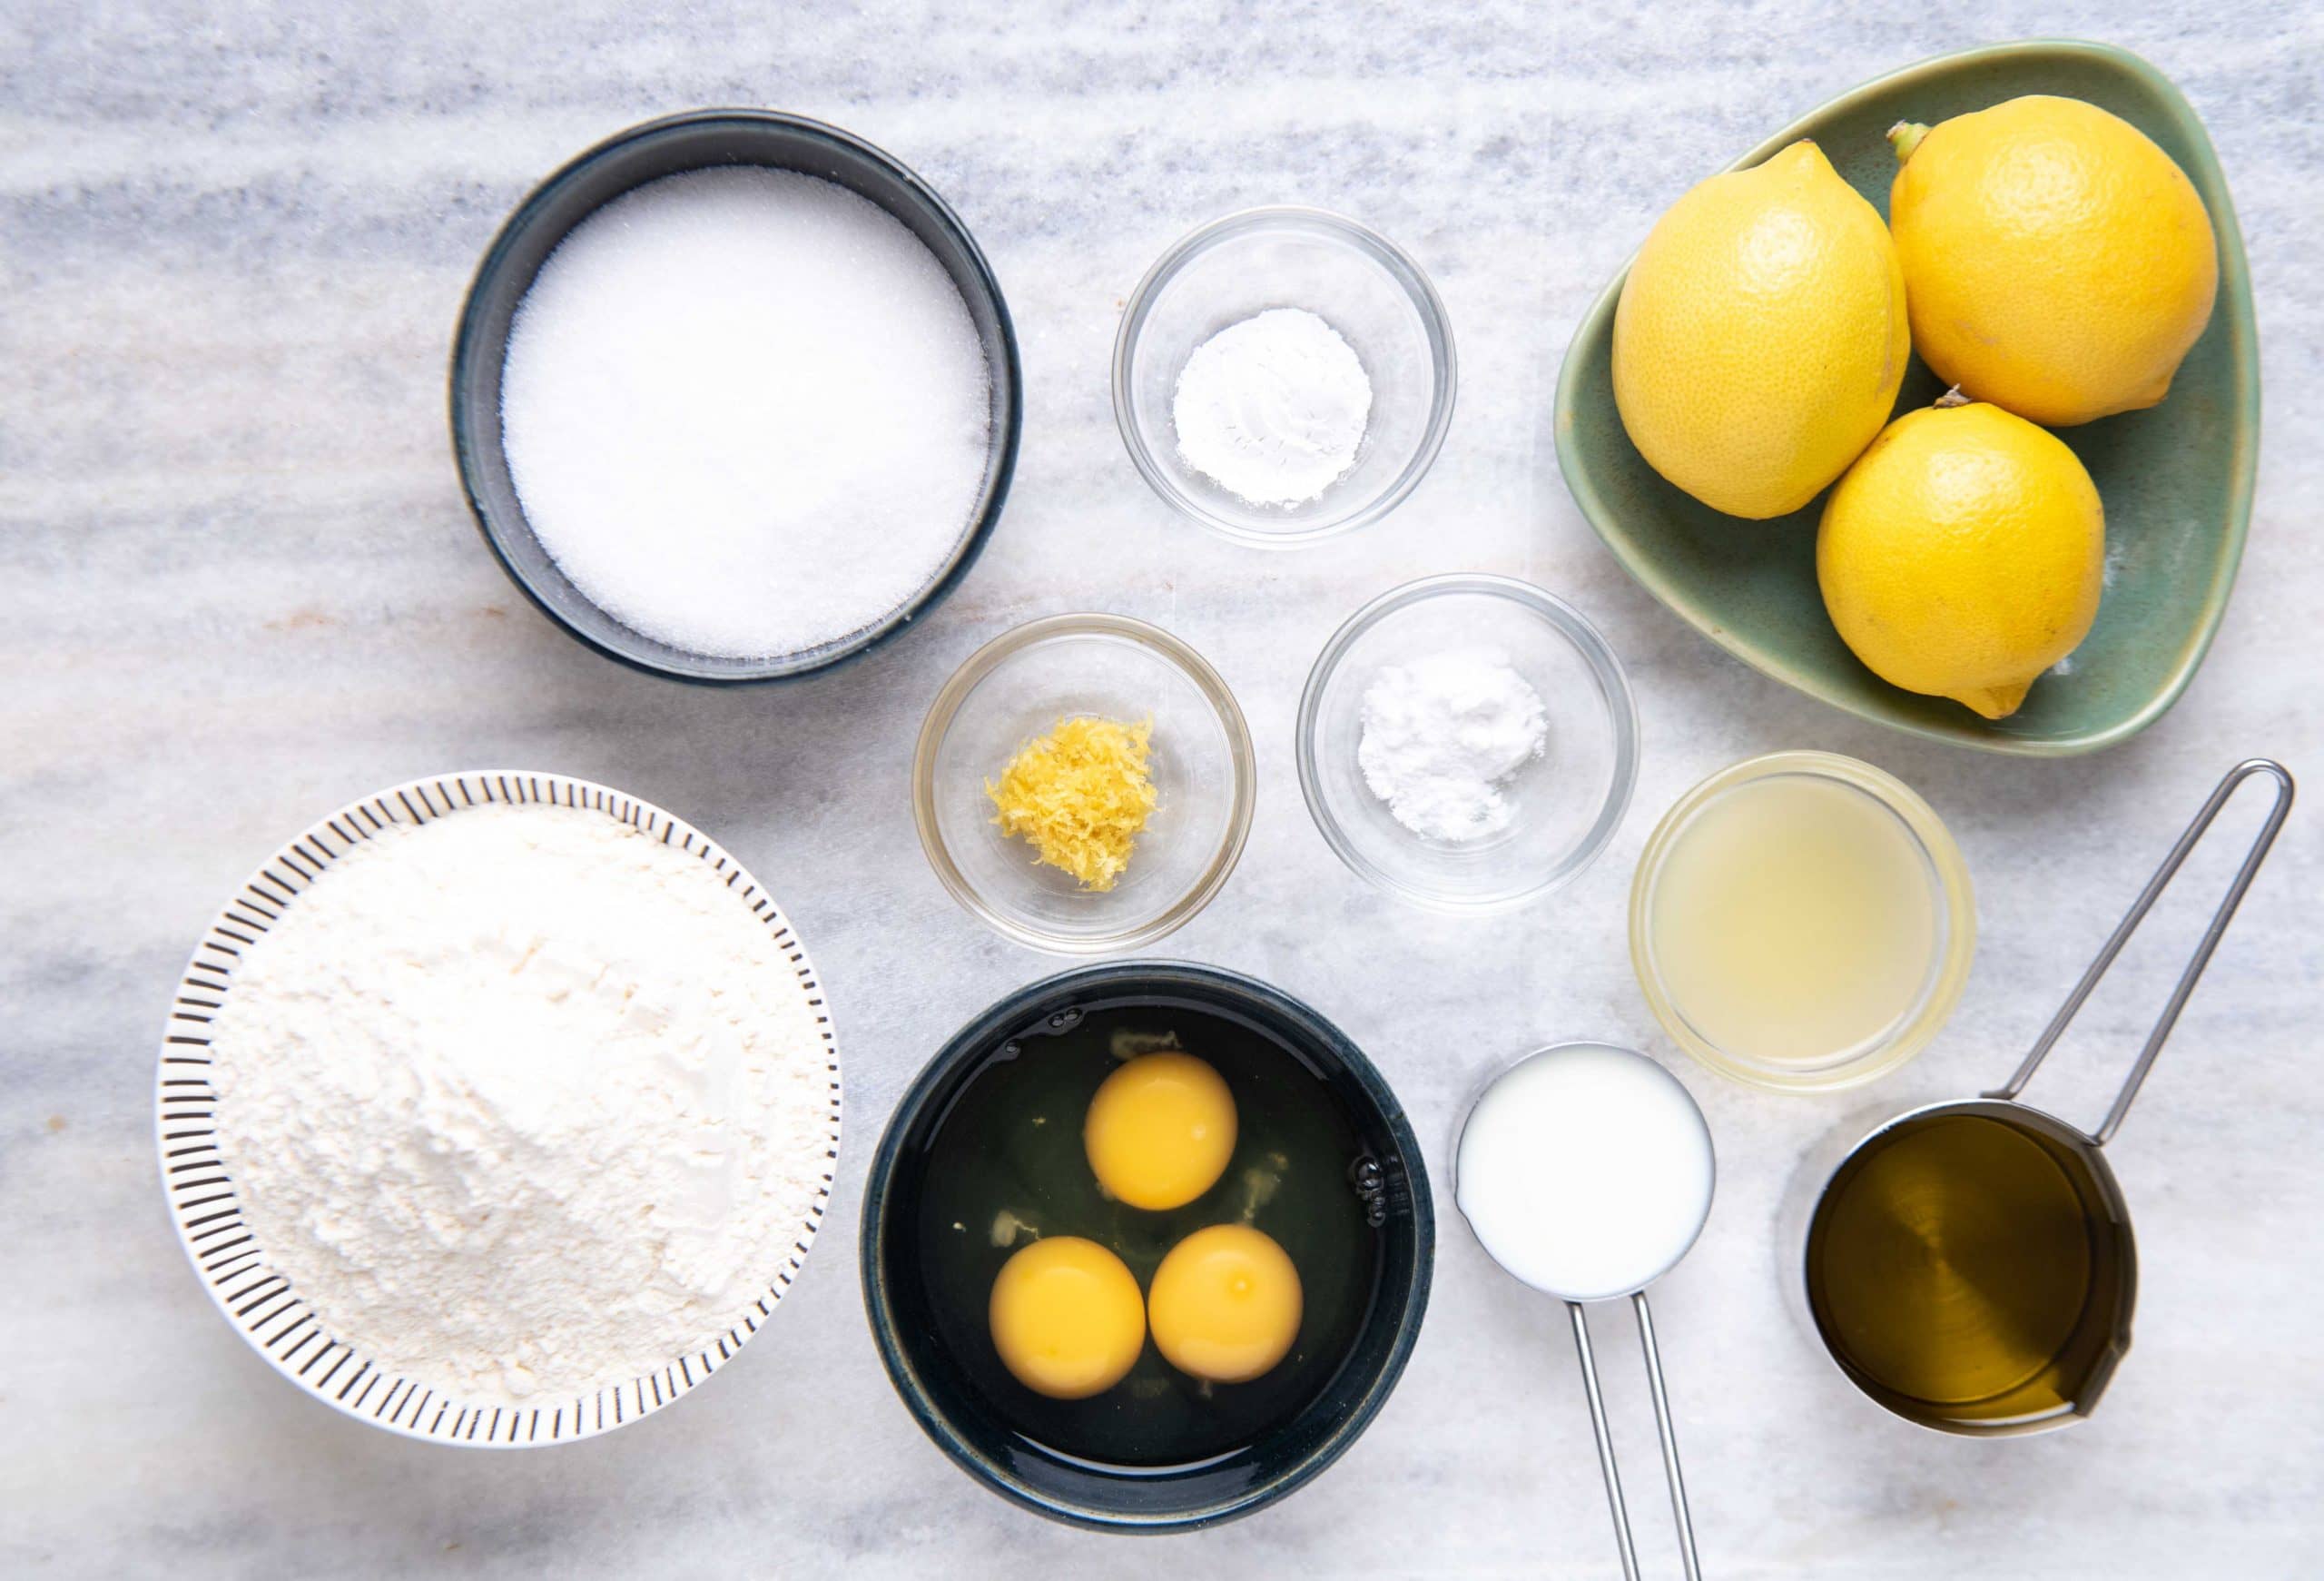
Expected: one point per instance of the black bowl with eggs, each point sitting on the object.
(989, 1138)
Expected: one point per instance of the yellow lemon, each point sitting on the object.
(1962, 556)
(2057, 262)
(1761, 335)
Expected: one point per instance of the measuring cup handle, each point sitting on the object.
(1670, 1439)
(2137, 914)
(1606, 1466)
(1606, 1440)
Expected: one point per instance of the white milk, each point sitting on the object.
(1586, 1170)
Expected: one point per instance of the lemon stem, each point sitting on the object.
(1905, 136)
(1952, 398)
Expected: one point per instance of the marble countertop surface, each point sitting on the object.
(241, 588)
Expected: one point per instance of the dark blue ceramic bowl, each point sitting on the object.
(694, 140)
(1114, 1498)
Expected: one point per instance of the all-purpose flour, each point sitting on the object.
(522, 1101)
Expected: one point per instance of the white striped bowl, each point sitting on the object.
(234, 1269)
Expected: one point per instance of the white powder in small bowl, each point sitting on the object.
(746, 412)
(1272, 408)
(1443, 734)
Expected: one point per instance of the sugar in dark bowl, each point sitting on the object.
(988, 1157)
(734, 396)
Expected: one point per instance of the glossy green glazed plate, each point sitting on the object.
(2176, 478)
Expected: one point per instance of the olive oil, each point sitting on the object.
(1965, 1269)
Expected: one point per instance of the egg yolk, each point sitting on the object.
(1067, 1317)
(1225, 1304)
(1160, 1131)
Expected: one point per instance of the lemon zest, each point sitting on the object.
(1080, 794)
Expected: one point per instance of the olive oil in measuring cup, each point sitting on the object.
(1965, 1268)
(1970, 1265)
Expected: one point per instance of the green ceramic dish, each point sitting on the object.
(2176, 478)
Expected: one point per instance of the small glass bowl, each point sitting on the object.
(1017, 688)
(1568, 801)
(1953, 943)
(1350, 275)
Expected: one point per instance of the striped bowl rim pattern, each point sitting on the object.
(259, 1301)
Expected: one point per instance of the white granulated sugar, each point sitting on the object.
(746, 412)
(522, 1101)
(1272, 409)
(1441, 736)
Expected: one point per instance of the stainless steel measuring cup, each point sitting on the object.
(1510, 1204)
(1970, 1265)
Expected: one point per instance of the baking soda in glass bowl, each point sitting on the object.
(746, 411)
(1444, 734)
(1273, 408)
(1467, 742)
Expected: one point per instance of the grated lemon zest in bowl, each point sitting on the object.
(1080, 794)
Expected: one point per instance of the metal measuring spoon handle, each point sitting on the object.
(1669, 1438)
(2277, 813)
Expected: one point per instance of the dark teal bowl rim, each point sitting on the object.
(481, 344)
(1398, 1310)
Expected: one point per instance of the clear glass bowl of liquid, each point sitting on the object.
(1802, 921)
